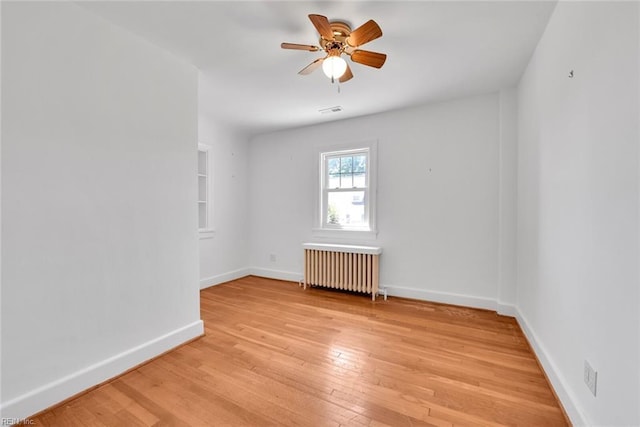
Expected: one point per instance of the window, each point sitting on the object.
(205, 209)
(347, 189)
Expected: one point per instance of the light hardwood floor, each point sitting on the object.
(274, 354)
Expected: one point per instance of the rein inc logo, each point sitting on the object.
(20, 421)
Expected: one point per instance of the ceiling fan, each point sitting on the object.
(337, 38)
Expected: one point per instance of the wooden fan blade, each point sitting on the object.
(372, 59)
(299, 47)
(348, 75)
(368, 31)
(322, 25)
(311, 67)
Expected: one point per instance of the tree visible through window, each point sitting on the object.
(345, 189)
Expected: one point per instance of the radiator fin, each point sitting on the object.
(356, 272)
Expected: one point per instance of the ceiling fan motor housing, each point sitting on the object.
(341, 31)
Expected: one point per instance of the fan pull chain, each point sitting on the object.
(337, 83)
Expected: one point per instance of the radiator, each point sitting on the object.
(346, 267)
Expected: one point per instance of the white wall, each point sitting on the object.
(578, 207)
(225, 255)
(508, 177)
(99, 226)
(438, 197)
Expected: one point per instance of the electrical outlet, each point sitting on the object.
(272, 257)
(590, 377)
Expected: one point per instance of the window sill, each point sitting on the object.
(206, 233)
(345, 235)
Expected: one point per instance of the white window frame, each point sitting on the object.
(347, 233)
(206, 176)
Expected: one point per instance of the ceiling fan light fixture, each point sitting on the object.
(334, 67)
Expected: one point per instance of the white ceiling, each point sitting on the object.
(436, 50)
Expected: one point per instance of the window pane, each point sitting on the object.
(346, 208)
(346, 164)
(202, 188)
(360, 163)
(202, 162)
(202, 215)
(359, 180)
(334, 181)
(346, 181)
(334, 165)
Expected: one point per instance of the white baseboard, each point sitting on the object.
(420, 294)
(276, 274)
(225, 277)
(443, 297)
(506, 309)
(558, 382)
(57, 391)
(414, 293)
